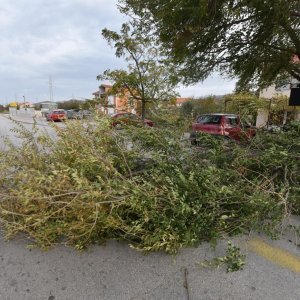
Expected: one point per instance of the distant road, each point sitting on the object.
(6, 126)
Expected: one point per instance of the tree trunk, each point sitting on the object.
(143, 110)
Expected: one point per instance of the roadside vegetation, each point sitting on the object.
(245, 104)
(146, 186)
(3, 109)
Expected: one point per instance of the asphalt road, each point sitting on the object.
(7, 126)
(115, 271)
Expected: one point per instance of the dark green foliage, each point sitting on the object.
(187, 108)
(200, 106)
(3, 108)
(252, 40)
(70, 104)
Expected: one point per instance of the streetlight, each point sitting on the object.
(24, 103)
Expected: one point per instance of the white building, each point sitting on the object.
(271, 92)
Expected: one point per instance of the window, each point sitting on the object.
(233, 121)
(132, 116)
(209, 119)
(131, 101)
(123, 116)
(58, 111)
(111, 100)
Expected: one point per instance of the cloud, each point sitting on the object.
(54, 37)
(7, 14)
(214, 85)
(61, 38)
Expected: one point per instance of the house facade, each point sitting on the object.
(110, 103)
(113, 103)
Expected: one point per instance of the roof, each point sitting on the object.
(46, 102)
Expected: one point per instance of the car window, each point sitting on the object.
(209, 119)
(123, 116)
(58, 112)
(132, 116)
(233, 121)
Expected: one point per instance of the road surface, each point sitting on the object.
(7, 125)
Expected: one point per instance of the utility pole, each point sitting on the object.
(51, 88)
(24, 103)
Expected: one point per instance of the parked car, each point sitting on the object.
(227, 125)
(74, 114)
(86, 114)
(125, 118)
(57, 115)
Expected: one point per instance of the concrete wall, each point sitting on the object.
(22, 112)
(262, 118)
(269, 93)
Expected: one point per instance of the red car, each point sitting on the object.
(125, 118)
(226, 125)
(57, 115)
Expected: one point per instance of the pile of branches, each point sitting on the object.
(148, 186)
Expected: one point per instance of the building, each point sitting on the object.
(47, 107)
(263, 116)
(114, 103)
(21, 108)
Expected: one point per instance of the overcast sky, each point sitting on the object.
(61, 39)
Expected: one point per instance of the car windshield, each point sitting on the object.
(58, 112)
(209, 119)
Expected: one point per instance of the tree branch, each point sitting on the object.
(295, 14)
(295, 75)
(293, 36)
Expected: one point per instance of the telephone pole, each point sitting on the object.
(51, 88)
(24, 103)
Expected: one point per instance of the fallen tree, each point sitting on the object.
(145, 186)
